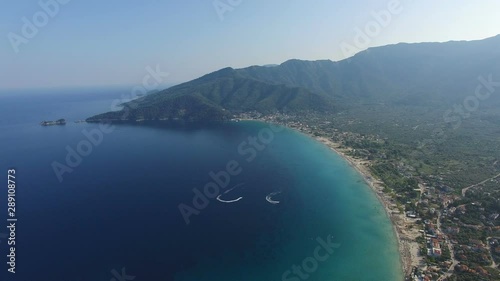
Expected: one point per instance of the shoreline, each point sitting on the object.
(405, 255)
(408, 248)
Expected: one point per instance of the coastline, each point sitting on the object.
(406, 235)
(361, 166)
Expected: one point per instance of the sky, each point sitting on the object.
(74, 43)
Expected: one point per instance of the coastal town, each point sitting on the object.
(445, 232)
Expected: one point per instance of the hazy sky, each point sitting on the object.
(111, 42)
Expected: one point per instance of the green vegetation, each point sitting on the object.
(218, 96)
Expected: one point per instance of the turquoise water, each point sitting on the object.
(333, 200)
(119, 208)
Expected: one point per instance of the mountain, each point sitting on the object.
(421, 74)
(401, 73)
(219, 95)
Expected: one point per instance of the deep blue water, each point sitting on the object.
(119, 208)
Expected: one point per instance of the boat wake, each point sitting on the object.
(228, 201)
(227, 191)
(269, 198)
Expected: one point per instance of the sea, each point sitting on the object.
(180, 201)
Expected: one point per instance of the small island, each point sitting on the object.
(52, 123)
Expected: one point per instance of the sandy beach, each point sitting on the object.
(404, 228)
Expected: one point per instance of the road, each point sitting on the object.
(450, 248)
(464, 190)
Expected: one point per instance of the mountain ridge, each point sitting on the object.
(422, 74)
